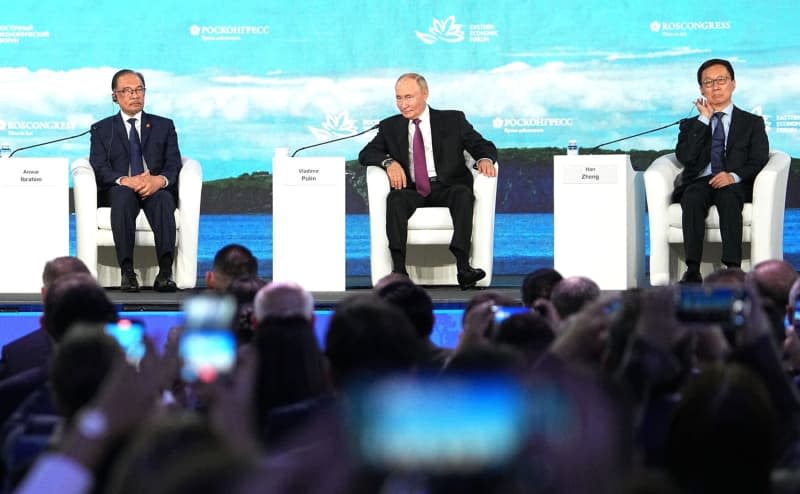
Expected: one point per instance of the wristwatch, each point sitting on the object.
(385, 163)
(92, 424)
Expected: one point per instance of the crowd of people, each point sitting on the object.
(688, 389)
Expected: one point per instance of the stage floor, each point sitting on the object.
(148, 300)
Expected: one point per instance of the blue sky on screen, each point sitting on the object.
(244, 78)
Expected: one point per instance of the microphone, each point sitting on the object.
(635, 135)
(51, 142)
(334, 140)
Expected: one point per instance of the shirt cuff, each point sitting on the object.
(703, 119)
(736, 178)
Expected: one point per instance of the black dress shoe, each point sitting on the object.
(164, 283)
(691, 277)
(129, 283)
(468, 277)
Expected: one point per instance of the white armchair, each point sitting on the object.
(762, 235)
(95, 243)
(430, 229)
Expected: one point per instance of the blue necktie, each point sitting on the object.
(421, 180)
(137, 167)
(718, 145)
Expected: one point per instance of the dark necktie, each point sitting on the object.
(420, 165)
(137, 167)
(718, 145)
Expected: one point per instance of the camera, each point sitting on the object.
(129, 334)
(503, 312)
(207, 346)
(711, 304)
(436, 424)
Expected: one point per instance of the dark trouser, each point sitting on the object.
(160, 212)
(698, 197)
(401, 204)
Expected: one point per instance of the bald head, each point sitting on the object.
(283, 299)
(571, 294)
(774, 279)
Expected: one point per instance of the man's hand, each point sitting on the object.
(144, 184)
(721, 179)
(397, 176)
(486, 167)
(704, 108)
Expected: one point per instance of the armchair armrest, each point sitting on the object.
(84, 192)
(769, 202)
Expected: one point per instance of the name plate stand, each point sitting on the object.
(308, 221)
(598, 219)
(34, 219)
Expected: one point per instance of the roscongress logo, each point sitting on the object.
(27, 127)
(227, 32)
(683, 28)
(447, 30)
(529, 125)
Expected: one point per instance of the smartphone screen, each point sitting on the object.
(709, 303)
(437, 424)
(129, 335)
(501, 313)
(796, 322)
(206, 354)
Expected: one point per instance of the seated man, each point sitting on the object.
(721, 150)
(422, 151)
(136, 160)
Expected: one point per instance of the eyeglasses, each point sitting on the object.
(128, 92)
(720, 81)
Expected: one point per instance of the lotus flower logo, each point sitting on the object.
(655, 26)
(340, 125)
(194, 30)
(497, 123)
(447, 30)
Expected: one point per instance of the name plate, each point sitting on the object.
(31, 173)
(603, 173)
(310, 174)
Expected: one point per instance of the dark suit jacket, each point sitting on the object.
(746, 153)
(451, 134)
(26, 352)
(109, 154)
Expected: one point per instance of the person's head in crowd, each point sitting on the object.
(283, 299)
(539, 284)
(529, 333)
(571, 294)
(722, 437)
(774, 279)
(231, 262)
(414, 301)
(367, 335)
(175, 454)
(81, 362)
(58, 267)
(244, 289)
(390, 278)
(291, 376)
(726, 276)
(75, 298)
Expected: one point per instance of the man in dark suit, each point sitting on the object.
(136, 160)
(422, 151)
(33, 349)
(722, 151)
